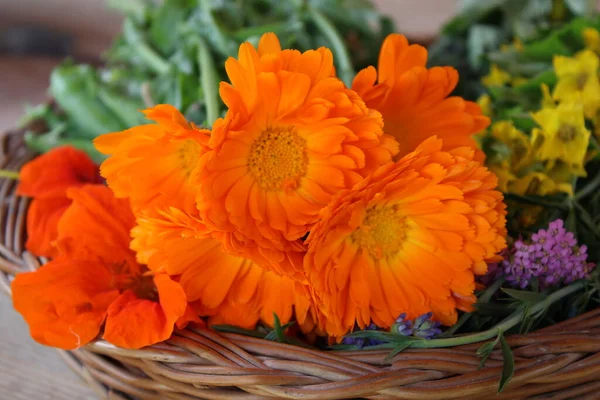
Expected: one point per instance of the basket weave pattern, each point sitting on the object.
(561, 362)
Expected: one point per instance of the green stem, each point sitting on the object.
(505, 325)
(154, 61)
(208, 81)
(9, 174)
(484, 298)
(346, 71)
(592, 9)
(534, 201)
(590, 188)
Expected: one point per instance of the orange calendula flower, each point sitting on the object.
(96, 280)
(154, 163)
(408, 239)
(414, 100)
(46, 179)
(230, 289)
(293, 136)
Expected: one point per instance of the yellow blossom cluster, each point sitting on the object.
(548, 159)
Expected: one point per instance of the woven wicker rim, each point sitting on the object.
(563, 359)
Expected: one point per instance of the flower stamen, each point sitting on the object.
(188, 154)
(567, 132)
(278, 159)
(383, 232)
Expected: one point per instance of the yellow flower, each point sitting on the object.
(578, 80)
(547, 100)
(538, 183)
(485, 103)
(518, 143)
(562, 136)
(496, 77)
(591, 37)
(518, 80)
(503, 172)
(518, 44)
(596, 122)
(561, 172)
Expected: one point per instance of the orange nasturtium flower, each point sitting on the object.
(46, 179)
(414, 100)
(153, 164)
(230, 289)
(293, 136)
(408, 239)
(96, 281)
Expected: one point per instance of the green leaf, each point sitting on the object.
(533, 85)
(212, 30)
(397, 350)
(127, 110)
(210, 85)
(133, 8)
(484, 352)
(545, 49)
(535, 9)
(345, 70)
(508, 364)
(486, 349)
(75, 89)
(163, 28)
(278, 329)
(235, 329)
(137, 45)
(482, 38)
(469, 12)
(45, 142)
(578, 7)
(525, 296)
(536, 200)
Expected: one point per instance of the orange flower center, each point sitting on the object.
(278, 159)
(383, 232)
(140, 281)
(144, 288)
(188, 154)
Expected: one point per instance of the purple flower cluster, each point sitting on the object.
(422, 326)
(363, 342)
(552, 256)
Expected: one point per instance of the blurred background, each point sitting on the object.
(35, 35)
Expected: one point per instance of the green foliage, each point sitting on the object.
(508, 364)
(174, 51)
(486, 349)
(470, 41)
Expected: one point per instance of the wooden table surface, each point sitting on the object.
(29, 371)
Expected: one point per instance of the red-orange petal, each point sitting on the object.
(64, 302)
(96, 226)
(42, 225)
(134, 322)
(51, 174)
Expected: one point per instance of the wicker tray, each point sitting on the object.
(559, 362)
